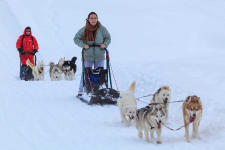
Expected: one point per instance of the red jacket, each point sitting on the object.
(28, 44)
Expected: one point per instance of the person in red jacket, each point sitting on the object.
(27, 46)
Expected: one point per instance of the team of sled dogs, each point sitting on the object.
(151, 118)
(66, 67)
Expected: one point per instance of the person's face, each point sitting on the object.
(93, 19)
(28, 31)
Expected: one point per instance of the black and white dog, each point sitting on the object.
(69, 68)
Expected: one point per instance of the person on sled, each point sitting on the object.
(27, 46)
(93, 38)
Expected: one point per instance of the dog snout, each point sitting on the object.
(166, 100)
(160, 121)
(131, 117)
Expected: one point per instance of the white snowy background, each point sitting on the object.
(179, 43)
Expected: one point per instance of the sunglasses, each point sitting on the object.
(28, 31)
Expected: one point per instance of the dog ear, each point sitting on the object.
(158, 91)
(188, 99)
(195, 99)
(74, 59)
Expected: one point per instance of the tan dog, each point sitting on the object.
(38, 70)
(162, 95)
(128, 105)
(192, 112)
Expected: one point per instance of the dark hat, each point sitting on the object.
(91, 13)
(28, 28)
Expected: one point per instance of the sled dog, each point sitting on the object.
(150, 119)
(162, 95)
(55, 71)
(128, 105)
(38, 70)
(192, 113)
(69, 68)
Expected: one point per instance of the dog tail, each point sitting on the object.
(73, 60)
(30, 64)
(132, 86)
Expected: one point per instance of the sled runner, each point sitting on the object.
(98, 84)
(26, 71)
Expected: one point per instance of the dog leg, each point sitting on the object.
(187, 131)
(195, 129)
(167, 113)
(140, 134)
(152, 134)
(129, 121)
(121, 115)
(138, 126)
(124, 120)
(146, 135)
(158, 132)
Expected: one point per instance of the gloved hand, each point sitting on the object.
(21, 51)
(34, 52)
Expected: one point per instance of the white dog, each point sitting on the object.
(128, 105)
(162, 95)
(38, 70)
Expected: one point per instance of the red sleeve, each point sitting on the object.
(18, 43)
(35, 43)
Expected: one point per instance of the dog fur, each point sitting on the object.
(162, 95)
(192, 112)
(69, 68)
(128, 105)
(150, 119)
(55, 72)
(38, 71)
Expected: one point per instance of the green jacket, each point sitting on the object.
(94, 53)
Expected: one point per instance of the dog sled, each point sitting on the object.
(97, 84)
(26, 71)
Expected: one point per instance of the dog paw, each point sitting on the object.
(147, 140)
(159, 142)
(127, 124)
(140, 135)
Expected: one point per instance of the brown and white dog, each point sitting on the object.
(128, 105)
(162, 95)
(192, 113)
(38, 70)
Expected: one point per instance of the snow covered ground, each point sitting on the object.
(179, 43)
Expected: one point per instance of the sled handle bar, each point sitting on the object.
(29, 52)
(96, 46)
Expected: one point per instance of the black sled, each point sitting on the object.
(26, 71)
(97, 84)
